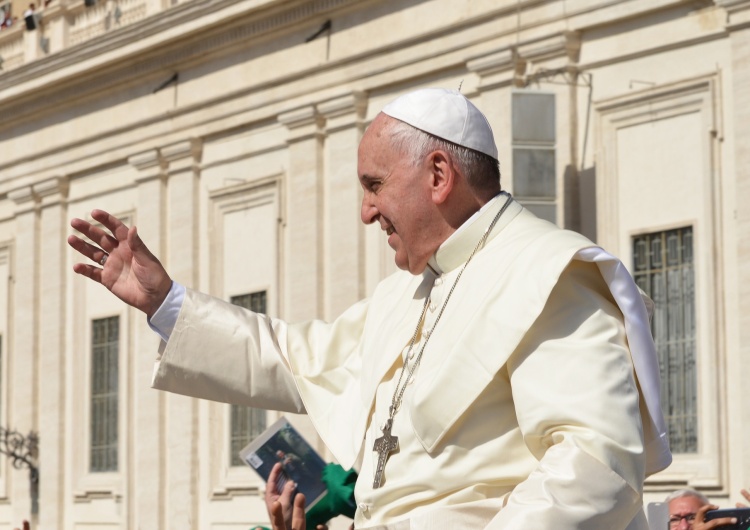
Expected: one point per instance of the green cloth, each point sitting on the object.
(338, 500)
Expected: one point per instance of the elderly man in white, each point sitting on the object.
(505, 378)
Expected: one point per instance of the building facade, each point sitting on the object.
(227, 131)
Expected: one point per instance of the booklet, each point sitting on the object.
(299, 461)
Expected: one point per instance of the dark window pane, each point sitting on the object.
(246, 422)
(667, 276)
(105, 344)
(534, 173)
(533, 117)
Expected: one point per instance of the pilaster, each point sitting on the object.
(303, 297)
(23, 351)
(738, 24)
(53, 227)
(147, 441)
(182, 161)
(343, 243)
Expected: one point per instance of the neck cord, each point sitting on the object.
(398, 393)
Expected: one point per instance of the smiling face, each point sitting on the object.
(398, 196)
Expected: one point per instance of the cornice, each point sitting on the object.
(733, 5)
(146, 160)
(191, 148)
(170, 49)
(303, 123)
(46, 192)
(738, 13)
(51, 186)
(22, 195)
(344, 112)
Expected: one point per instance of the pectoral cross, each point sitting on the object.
(384, 446)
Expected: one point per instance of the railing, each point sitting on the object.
(66, 23)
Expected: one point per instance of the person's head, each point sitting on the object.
(683, 505)
(426, 163)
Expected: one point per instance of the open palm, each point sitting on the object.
(128, 268)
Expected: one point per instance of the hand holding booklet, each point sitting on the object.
(300, 463)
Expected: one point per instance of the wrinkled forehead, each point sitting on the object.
(377, 136)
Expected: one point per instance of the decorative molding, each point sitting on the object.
(180, 49)
(344, 112)
(146, 160)
(515, 64)
(738, 13)
(354, 102)
(22, 195)
(732, 6)
(52, 186)
(187, 148)
(303, 123)
(496, 69)
(557, 45)
(150, 165)
(699, 95)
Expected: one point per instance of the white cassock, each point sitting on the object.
(536, 403)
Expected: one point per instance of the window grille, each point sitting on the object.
(533, 131)
(105, 345)
(246, 422)
(663, 268)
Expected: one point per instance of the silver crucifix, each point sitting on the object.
(384, 446)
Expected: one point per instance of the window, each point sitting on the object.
(534, 181)
(246, 422)
(663, 268)
(105, 335)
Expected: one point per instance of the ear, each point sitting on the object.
(442, 175)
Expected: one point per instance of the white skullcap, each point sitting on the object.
(446, 114)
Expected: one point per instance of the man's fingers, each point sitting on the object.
(92, 252)
(298, 515)
(95, 273)
(277, 517)
(117, 227)
(95, 234)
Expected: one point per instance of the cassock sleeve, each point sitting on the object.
(577, 405)
(225, 353)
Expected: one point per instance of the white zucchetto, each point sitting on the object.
(446, 114)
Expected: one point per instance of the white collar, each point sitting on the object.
(458, 247)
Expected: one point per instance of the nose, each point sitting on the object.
(369, 212)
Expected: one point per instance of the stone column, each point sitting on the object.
(53, 271)
(303, 246)
(146, 476)
(23, 346)
(182, 207)
(739, 27)
(343, 245)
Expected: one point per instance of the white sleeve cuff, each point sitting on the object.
(163, 321)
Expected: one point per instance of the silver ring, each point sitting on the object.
(103, 260)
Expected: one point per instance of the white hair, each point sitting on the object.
(686, 492)
(481, 170)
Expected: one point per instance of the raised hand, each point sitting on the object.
(128, 269)
(279, 505)
(281, 521)
(286, 510)
(701, 524)
(745, 494)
